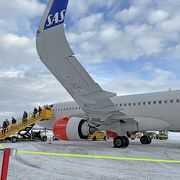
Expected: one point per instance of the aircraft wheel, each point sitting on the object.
(126, 141)
(145, 140)
(121, 142)
(94, 138)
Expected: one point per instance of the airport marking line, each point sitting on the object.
(98, 157)
(1, 146)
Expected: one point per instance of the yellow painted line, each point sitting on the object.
(98, 157)
(2, 146)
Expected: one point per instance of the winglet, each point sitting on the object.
(56, 14)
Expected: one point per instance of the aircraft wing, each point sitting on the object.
(56, 54)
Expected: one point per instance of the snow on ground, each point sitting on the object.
(43, 167)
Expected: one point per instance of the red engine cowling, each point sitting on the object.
(71, 128)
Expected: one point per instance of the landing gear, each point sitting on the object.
(145, 140)
(121, 142)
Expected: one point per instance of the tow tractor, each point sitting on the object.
(30, 136)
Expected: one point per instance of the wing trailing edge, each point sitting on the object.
(56, 54)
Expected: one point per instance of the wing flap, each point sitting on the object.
(56, 54)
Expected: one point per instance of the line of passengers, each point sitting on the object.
(6, 123)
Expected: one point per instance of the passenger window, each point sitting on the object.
(149, 102)
(160, 102)
(134, 104)
(154, 102)
(177, 100)
(171, 101)
(139, 103)
(129, 104)
(165, 101)
(125, 104)
(120, 105)
(144, 103)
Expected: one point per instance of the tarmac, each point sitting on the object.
(70, 160)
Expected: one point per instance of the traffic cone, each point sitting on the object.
(49, 142)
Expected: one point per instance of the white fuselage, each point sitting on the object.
(152, 111)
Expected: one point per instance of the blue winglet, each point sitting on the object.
(56, 14)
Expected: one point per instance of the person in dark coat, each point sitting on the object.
(40, 110)
(4, 127)
(25, 116)
(35, 112)
(13, 120)
(7, 122)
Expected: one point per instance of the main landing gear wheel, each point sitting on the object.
(145, 140)
(121, 142)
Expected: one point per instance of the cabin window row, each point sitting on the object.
(149, 103)
(67, 109)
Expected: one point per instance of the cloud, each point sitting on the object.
(15, 16)
(16, 50)
(142, 29)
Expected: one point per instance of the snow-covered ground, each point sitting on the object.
(43, 167)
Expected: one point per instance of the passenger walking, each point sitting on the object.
(40, 110)
(13, 120)
(4, 127)
(7, 122)
(25, 116)
(35, 112)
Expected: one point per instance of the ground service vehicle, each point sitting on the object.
(98, 135)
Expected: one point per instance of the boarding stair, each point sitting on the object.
(25, 125)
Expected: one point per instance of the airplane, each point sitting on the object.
(94, 108)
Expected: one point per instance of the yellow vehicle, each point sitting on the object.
(163, 135)
(97, 135)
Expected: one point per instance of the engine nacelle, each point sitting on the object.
(71, 128)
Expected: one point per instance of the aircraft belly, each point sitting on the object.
(151, 124)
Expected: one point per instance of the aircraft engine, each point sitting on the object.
(71, 128)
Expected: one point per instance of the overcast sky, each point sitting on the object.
(128, 46)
